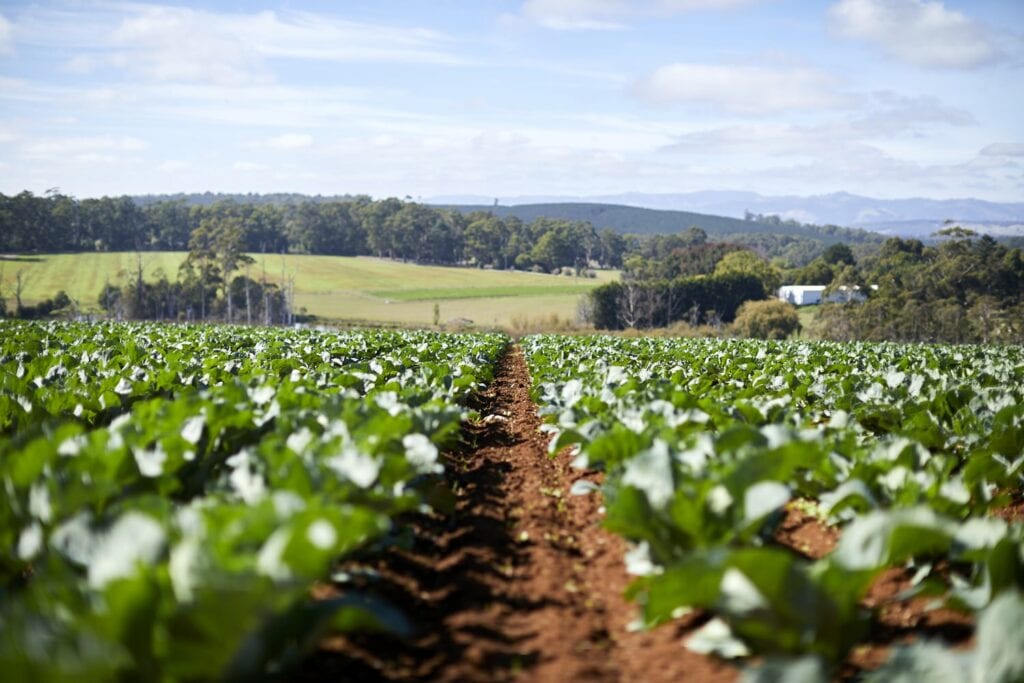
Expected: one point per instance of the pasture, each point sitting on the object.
(338, 288)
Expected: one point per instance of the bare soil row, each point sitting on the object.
(519, 582)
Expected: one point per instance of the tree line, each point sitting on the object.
(965, 289)
(389, 228)
(352, 225)
(643, 304)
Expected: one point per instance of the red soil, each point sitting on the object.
(520, 582)
(806, 533)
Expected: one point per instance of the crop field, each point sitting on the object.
(171, 493)
(188, 503)
(775, 486)
(330, 287)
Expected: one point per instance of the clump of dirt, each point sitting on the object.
(900, 621)
(917, 614)
(804, 531)
(1012, 512)
(519, 582)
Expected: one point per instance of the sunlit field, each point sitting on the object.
(332, 287)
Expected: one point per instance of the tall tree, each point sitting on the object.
(748, 263)
(228, 243)
(485, 236)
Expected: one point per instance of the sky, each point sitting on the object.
(420, 98)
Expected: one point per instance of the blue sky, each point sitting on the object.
(889, 98)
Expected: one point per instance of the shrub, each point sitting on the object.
(768, 319)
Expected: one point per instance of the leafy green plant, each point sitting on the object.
(172, 492)
(908, 449)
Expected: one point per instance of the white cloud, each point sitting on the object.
(606, 15)
(106, 96)
(266, 105)
(180, 44)
(290, 141)
(177, 104)
(883, 119)
(95, 158)
(82, 148)
(890, 114)
(557, 156)
(249, 166)
(1004, 149)
(173, 166)
(570, 15)
(742, 89)
(756, 139)
(306, 35)
(848, 166)
(687, 5)
(84, 64)
(6, 36)
(919, 32)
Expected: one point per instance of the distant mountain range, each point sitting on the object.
(906, 217)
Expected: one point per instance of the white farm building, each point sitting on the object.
(807, 295)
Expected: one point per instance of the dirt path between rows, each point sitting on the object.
(520, 582)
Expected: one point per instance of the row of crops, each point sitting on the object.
(912, 452)
(171, 493)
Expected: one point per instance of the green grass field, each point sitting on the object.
(331, 287)
(809, 323)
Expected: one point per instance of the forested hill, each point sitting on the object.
(638, 221)
(619, 217)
